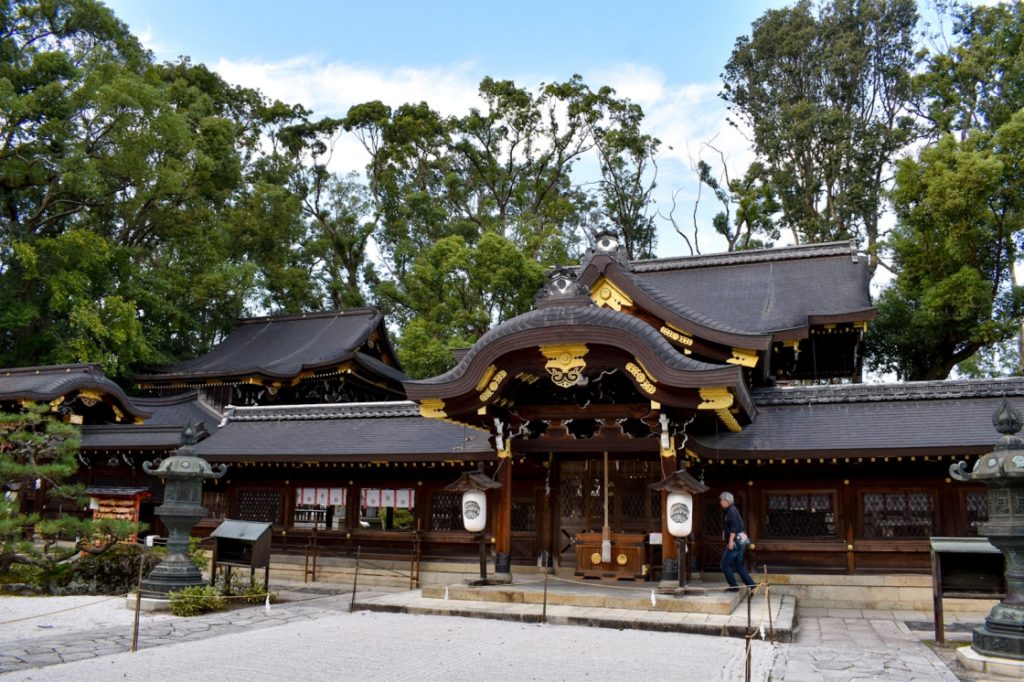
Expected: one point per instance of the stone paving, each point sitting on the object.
(828, 644)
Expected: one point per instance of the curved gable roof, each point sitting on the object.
(279, 347)
(47, 383)
(587, 324)
(765, 291)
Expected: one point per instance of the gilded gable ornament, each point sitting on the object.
(565, 363)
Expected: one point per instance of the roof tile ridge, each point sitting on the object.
(911, 390)
(794, 252)
(318, 314)
(310, 411)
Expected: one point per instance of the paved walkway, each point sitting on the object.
(314, 637)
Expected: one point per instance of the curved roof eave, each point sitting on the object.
(183, 371)
(665, 307)
(589, 324)
(47, 383)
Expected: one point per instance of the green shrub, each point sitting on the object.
(255, 594)
(192, 601)
(116, 571)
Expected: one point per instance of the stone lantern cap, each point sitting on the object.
(472, 480)
(681, 482)
(184, 463)
(1006, 460)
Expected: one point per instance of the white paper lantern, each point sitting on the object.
(474, 510)
(680, 514)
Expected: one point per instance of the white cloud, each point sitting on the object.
(683, 116)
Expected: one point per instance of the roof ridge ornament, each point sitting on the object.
(563, 289)
(607, 242)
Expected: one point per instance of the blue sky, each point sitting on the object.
(666, 56)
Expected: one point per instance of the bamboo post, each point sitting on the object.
(544, 608)
(355, 582)
(138, 606)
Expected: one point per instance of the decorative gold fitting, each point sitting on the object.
(743, 357)
(432, 408)
(608, 295)
(565, 363)
(715, 398)
(492, 387)
(642, 379)
(677, 335)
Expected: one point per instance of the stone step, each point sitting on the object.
(783, 610)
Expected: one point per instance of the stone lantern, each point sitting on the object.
(681, 487)
(474, 486)
(1002, 470)
(183, 474)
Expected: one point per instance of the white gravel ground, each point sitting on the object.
(379, 646)
(24, 618)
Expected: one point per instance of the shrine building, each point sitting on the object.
(742, 368)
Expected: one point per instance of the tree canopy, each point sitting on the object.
(959, 206)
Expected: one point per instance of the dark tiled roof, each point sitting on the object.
(114, 491)
(564, 318)
(356, 432)
(764, 291)
(920, 418)
(680, 307)
(131, 437)
(911, 390)
(43, 384)
(180, 410)
(278, 347)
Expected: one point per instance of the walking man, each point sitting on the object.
(736, 542)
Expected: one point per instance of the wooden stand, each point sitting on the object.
(627, 556)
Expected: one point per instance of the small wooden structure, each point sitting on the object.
(965, 568)
(241, 543)
(117, 502)
(627, 560)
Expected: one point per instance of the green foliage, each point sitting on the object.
(470, 209)
(953, 251)
(113, 572)
(960, 210)
(196, 600)
(38, 452)
(140, 212)
(824, 90)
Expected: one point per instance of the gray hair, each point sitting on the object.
(727, 497)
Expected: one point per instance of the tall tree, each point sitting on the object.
(960, 206)
(953, 293)
(824, 93)
(504, 170)
(140, 208)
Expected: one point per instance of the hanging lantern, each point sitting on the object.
(474, 510)
(680, 514)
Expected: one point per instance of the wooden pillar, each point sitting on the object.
(848, 495)
(668, 544)
(503, 522)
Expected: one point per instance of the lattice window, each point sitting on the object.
(216, 504)
(898, 515)
(524, 516)
(259, 505)
(633, 490)
(712, 518)
(446, 511)
(573, 483)
(800, 515)
(977, 510)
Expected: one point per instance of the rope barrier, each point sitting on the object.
(70, 608)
